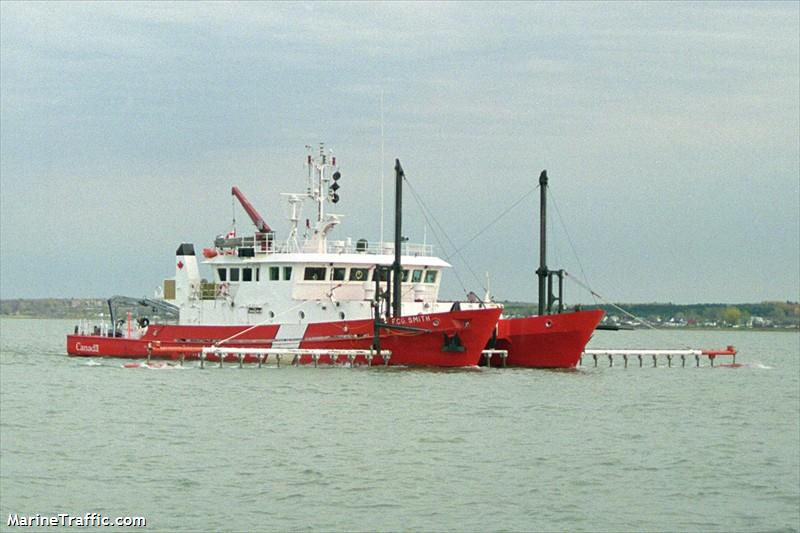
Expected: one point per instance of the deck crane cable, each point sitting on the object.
(233, 212)
(618, 308)
(430, 219)
(569, 239)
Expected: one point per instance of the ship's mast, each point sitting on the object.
(383, 178)
(316, 177)
(542, 272)
(323, 178)
(397, 268)
(547, 298)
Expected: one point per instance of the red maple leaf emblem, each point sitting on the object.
(180, 264)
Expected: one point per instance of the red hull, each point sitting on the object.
(550, 341)
(408, 348)
(168, 336)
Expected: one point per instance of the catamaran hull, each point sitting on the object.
(548, 341)
(450, 339)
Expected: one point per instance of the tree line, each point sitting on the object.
(54, 307)
(764, 314)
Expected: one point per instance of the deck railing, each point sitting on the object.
(385, 248)
(265, 244)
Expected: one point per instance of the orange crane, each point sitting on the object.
(257, 219)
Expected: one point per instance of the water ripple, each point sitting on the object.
(385, 449)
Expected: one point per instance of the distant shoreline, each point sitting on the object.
(767, 316)
(780, 329)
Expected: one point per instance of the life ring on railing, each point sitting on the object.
(222, 289)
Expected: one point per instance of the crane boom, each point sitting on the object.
(261, 225)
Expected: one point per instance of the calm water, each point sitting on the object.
(597, 449)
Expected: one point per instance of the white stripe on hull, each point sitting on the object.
(289, 336)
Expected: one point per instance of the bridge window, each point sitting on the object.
(274, 273)
(234, 274)
(430, 276)
(405, 275)
(247, 274)
(314, 274)
(287, 273)
(338, 273)
(381, 273)
(258, 274)
(416, 277)
(223, 274)
(359, 274)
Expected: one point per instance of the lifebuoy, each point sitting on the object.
(359, 275)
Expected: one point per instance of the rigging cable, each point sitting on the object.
(620, 309)
(457, 250)
(433, 223)
(569, 239)
(585, 284)
(492, 223)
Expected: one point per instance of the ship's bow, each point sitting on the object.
(548, 341)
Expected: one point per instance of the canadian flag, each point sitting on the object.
(231, 234)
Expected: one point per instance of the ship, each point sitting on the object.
(309, 291)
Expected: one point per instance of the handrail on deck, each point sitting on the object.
(265, 244)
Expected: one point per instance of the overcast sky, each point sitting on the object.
(670, 132)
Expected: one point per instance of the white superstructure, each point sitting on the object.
(305, 278)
